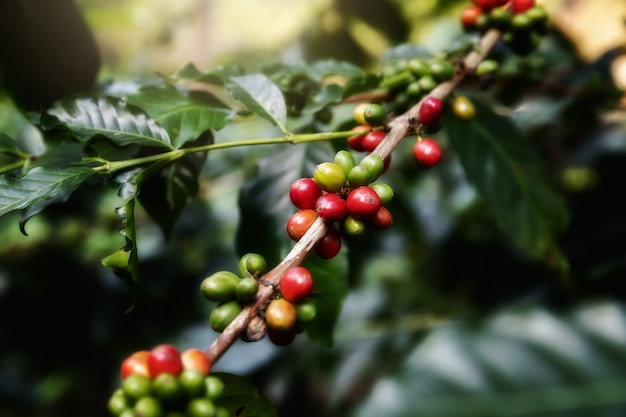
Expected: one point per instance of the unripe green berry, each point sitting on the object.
(441, 70)
(306, 311)
(358, 176)
(500, 18)
(418, 67)
(223, 314)
(427, 83)
(246, 289)
(329, 177)
(253, 264)
(354, 227)
(384, 191)
(488, 66)
(374, 164)
(345, 160)
(219, 286)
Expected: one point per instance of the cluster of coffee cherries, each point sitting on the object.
(522, 22)
(292, 308)
(287, 314)
(165, 382)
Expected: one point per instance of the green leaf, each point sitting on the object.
(333, 67)
(511, 177)
(165, 194)
(261, 96)
(38, 188)
(215, 75)
(121, 123)
(184, 116)
(328, 95)
(526, 361)
(331, 285)
(405, 51)
(264, 201)
(242, 398)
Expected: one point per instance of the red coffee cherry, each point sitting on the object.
(281, 338)
(489, 4)
(427, 152)
(431, 111)
(331, 207)
(329, 246)
(383, 219)
(136, 364)
(372, 139)
(520, 6)
(300, 222)
(469, 17)
(195, 359)
(164, 358)
(356, 142)
(296, 284)
(304, 192)
(362, 202)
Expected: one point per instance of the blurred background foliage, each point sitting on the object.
(445, 317)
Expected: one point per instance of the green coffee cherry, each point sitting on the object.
(223, 314)
(500, 18)
(427, 83)
(246, 289)
(148, 407)
(214, 387)
(345, 160)
(253, 264)
(306, 311)
(219, 286)
(374, 164)
(201, 407)
(488, 66)
(329, 177)
(418, 67)
(384, 191)
(441, 70)
(358, 176)
(353, 227)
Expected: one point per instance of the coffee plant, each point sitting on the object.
(354, 154)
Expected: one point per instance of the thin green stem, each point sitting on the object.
(109, 167)
(12, 166)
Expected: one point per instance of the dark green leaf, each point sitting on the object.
(331, 286)
(242, 398)
(165, 194)
(120, 122)
(9, 151)
(333, 67)
(264, 201)
(511, 177)
(38, 188)
(261, 96)
(359, 84)
(184, 117)
(527, 361)
(213, 76)
(328, 95)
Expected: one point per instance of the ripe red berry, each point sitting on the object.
(469, 17)
(164, 359)
(195, 359)
(363, 202)
(331, 207)
(427, 152)
(304, 192)
(489, 4)
(136, 364)
(356, 142)
(431, 111)
(520, 6)
(372, 139)
(300, 222)
(296, 284)
(329, 246)
(382, 219)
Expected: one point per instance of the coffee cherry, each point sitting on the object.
(489, 4)
(538, 19)
(441, 70)
(304, 192)
(463, 108)
(384, 191)
(355, 142)
(521, 23)
(358, 176)
(329, 246)
(296, 284)
(148, 407)
(219, 286)
(372, 139)
(383, 219)
(362, 202)
(136, 386)
(300, 222)
(280, 315)
(500, 19)
(252, 264)
(487, 67)
(136, 364)
(430, 111)
(345, 160)
(427, 152)
(192, 383)
(374, 164)
(427, 83)
(281, 338)
(353, 227)
(246, 289)
(329, 176)
(214, 387)
(255, 330)
(118, 402)
(370, 114)
(167, 388)
(520, 6)
(195, 359)
(223, 314)
(164, 358)
(469, 16)
(331, 207)
(306, 311)
(200, 407)
(418, 67)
